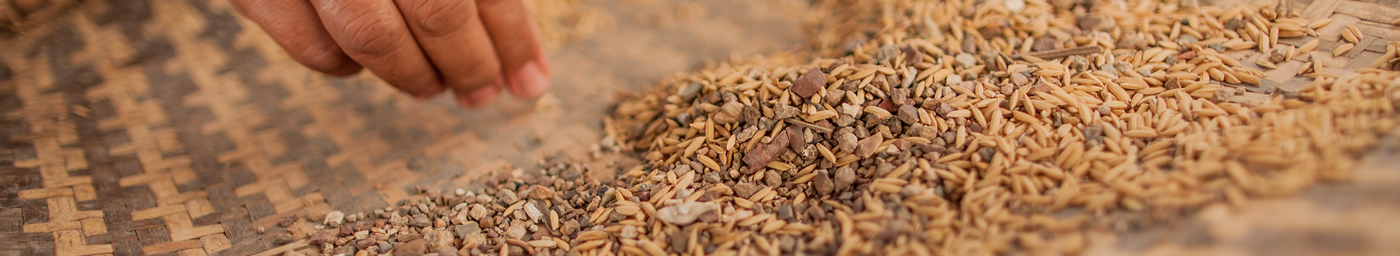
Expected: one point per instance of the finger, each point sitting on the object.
(294, 26)
(455, 42)
(374, 34)
(517, 42)
(480, 97)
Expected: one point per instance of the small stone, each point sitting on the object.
(823, 182)
(966, 60)
(516, 231)
(363, 225)
(438, 239)
(473, 240)
(507, 197)
(384, 247)
(745, 190)
(1093, 133)
(420, 222)
(1018, 78)
(1188, 55)
(541, 192)
(679, 242)
(713, 177)
(847, 141)
(909, 114)
(343, 251)
(1080, 63)
(282, 238)
(1044, 44)
(1134, 42)
(364, 244)
(684, 213)
(690, 91)
(322, 237)
(759, 157)
(845, 176)
(785, 212)
(782, 111)
(729, 113)
(334, 218)
(1015, 6)
(287, 221)
(628, 232)
(346, 230)
(532, 212)
(866, 147)
(412, 248)
(809, 83)
(478, 212)
(953, 80)
(467, 229)
(569, 227)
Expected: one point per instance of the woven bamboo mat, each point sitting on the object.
(176, 127)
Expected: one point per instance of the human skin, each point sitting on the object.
(474, 48)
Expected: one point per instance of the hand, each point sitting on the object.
(423, 47)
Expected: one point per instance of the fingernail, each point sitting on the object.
(465, 102)
(532, 80)
(484, 96)
(432, 90)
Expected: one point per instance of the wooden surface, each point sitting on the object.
(175, 127)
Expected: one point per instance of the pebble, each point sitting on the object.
(322, 237)
(412, 248)
(809, 83)
(953, 79)
(420, 222)
(507, 197)
(909, 114)
(773, 179)
(745, 190)
(966, 60)
(823, 182)
(763, 154)
(282, 238)
(478, 212)
(473, 240)
(541, 192)
(1019, 78)
(713, 177)
(569, 227)
(1015, 6)
(438, 239)
(363, 225)
(847, 142)
(785, 212)
(533, 212)
(384, 247)
(446, 251)
(866, 147)
(845, 176)
(343, 251)
(334, 218)
(467, 229)
(685, 213)
(689, 92)
(287, 221)
(515, 231)
(729, 113)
